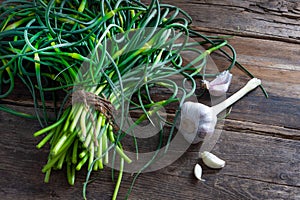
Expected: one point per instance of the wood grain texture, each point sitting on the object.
(271, 19)
(257, 167)
(260, 141)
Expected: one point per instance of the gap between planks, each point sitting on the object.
(261, 129)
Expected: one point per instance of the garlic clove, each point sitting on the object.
(198, 172)
(219, 86)
(212, 161)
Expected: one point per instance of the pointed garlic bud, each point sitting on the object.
(197, 120)
(219, 86)
(212, 161)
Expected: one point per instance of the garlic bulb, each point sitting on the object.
(198, 172)
(197, 120)
(212, 161)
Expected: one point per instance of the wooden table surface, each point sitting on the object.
(261, 137)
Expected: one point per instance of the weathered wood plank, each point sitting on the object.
(275, 110)
(280, 76)
(262, 129)
(260, 141)
(249, 156)
(255, 18)
(258, 167)
(152, 186)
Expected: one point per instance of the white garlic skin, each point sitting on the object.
(196, 120)
(212, 161)
(219, 86)
(198, 172)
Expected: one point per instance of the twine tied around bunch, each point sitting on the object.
(98, 103)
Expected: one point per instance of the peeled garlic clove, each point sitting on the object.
(198, 172)
(212, 161)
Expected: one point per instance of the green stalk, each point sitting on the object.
(117, 148)
(51, 162)
(78, 108)
(48, 128)
(91, 156)
(82, 6)
(61, 160)
(64, 143)
(45, 139)
(47, 176)
(83, 153)
(70, 173)
(39, 81)
(59, 144)
(18, 23)
(105, 145)
(82, 162)
(82, 123)
(118, 183)
(75, 150)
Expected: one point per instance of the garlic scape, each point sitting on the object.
(197, 119)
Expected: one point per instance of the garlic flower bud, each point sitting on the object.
(219, 86)
(197, 120)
